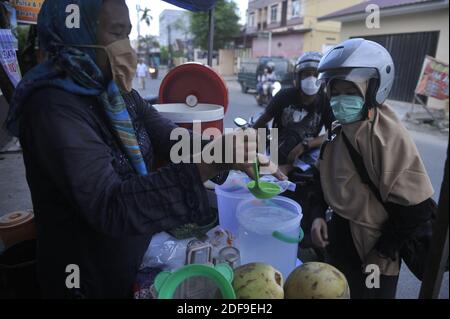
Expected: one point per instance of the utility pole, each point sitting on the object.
(138, 9)
(270, 44)
(437, 259)
(211, 37)
(169, 34)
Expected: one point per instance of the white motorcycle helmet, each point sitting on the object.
(358, 61)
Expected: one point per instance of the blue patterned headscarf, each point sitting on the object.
(74, 70)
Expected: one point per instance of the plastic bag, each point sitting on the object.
(219, 239)
(284, 185)
(165, 252)
(237, 183)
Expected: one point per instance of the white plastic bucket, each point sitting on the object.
(269, 232)
(227, 202)
(210, 115)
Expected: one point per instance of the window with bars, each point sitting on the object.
(274, 13)
(251, 20)
(295, 8)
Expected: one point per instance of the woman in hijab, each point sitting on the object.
(90, 145)
(358, 75)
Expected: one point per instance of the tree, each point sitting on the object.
(148, 42)
(164, 55)
(226, 25)
(146, 16)
(180, 25)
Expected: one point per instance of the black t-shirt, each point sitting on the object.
(290, 112)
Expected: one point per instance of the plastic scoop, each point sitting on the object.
(261, 189)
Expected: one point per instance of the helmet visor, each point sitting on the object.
(357, 75)
(307, 65)
(360, 77)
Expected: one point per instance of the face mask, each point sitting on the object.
(310, 86)
(347, 108)
(123, 61)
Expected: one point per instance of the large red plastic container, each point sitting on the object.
(194, 92)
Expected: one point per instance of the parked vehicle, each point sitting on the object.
(251, 69)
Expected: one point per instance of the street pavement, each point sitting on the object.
(14, 194)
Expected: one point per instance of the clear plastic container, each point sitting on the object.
(233, 192)
(269, 232)
(229, 196)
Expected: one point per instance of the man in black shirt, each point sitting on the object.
(301, 112)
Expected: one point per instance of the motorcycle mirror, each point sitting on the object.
(240, 122)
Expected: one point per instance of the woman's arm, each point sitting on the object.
(158, 127)
(403, 222)
(319, 228)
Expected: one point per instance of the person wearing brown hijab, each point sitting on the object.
(358, 75)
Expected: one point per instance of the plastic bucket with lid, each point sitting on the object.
(210, 115)
(269, 232)
(193, 92)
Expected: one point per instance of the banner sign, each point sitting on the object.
(8, 56)
(27, 10)
(433, 81)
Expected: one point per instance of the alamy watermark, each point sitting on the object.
(235, 146)
(73, 277)
(373, 17)
(373, 276)
(73, 16)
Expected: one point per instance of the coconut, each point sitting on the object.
(316, 281)
(258, 281)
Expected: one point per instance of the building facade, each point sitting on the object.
(289, 27)
(173, 25)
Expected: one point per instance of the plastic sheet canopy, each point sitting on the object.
(193, 5)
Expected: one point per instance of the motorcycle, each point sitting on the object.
(153, 71)
(269, 90)
(244, 124)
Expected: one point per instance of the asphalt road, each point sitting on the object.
(431, 147)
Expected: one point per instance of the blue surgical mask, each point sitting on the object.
(347, 108)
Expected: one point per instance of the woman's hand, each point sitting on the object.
(319, 233)
(239, 151)
(266, 168)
